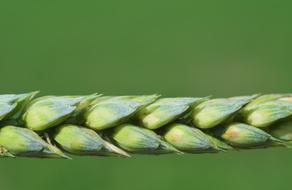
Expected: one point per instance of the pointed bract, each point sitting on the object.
(78, 115)
(49, 111)
(140, 140)
(216, 111)
(282, 131)
(188, 139)
(12, 105)
(27, 143)
(83, 141)
(5, 153)
(259, 100)
(166, 110)
(219, 145)
(246, 136)
(107, 112)
(267, 113)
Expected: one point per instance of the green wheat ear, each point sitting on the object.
(96, 125)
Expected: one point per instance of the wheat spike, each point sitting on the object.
(96, 125)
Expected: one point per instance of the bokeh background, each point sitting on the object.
(176, 48)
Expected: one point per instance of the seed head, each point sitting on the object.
(166, 110)
(107, 112)
(27, 143)
(140, 140)
(246, 136)
(83, 141)
(214, 112)
(49, 111)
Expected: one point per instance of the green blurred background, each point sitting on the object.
(176, 48)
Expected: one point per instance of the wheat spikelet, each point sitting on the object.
(96, 125)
